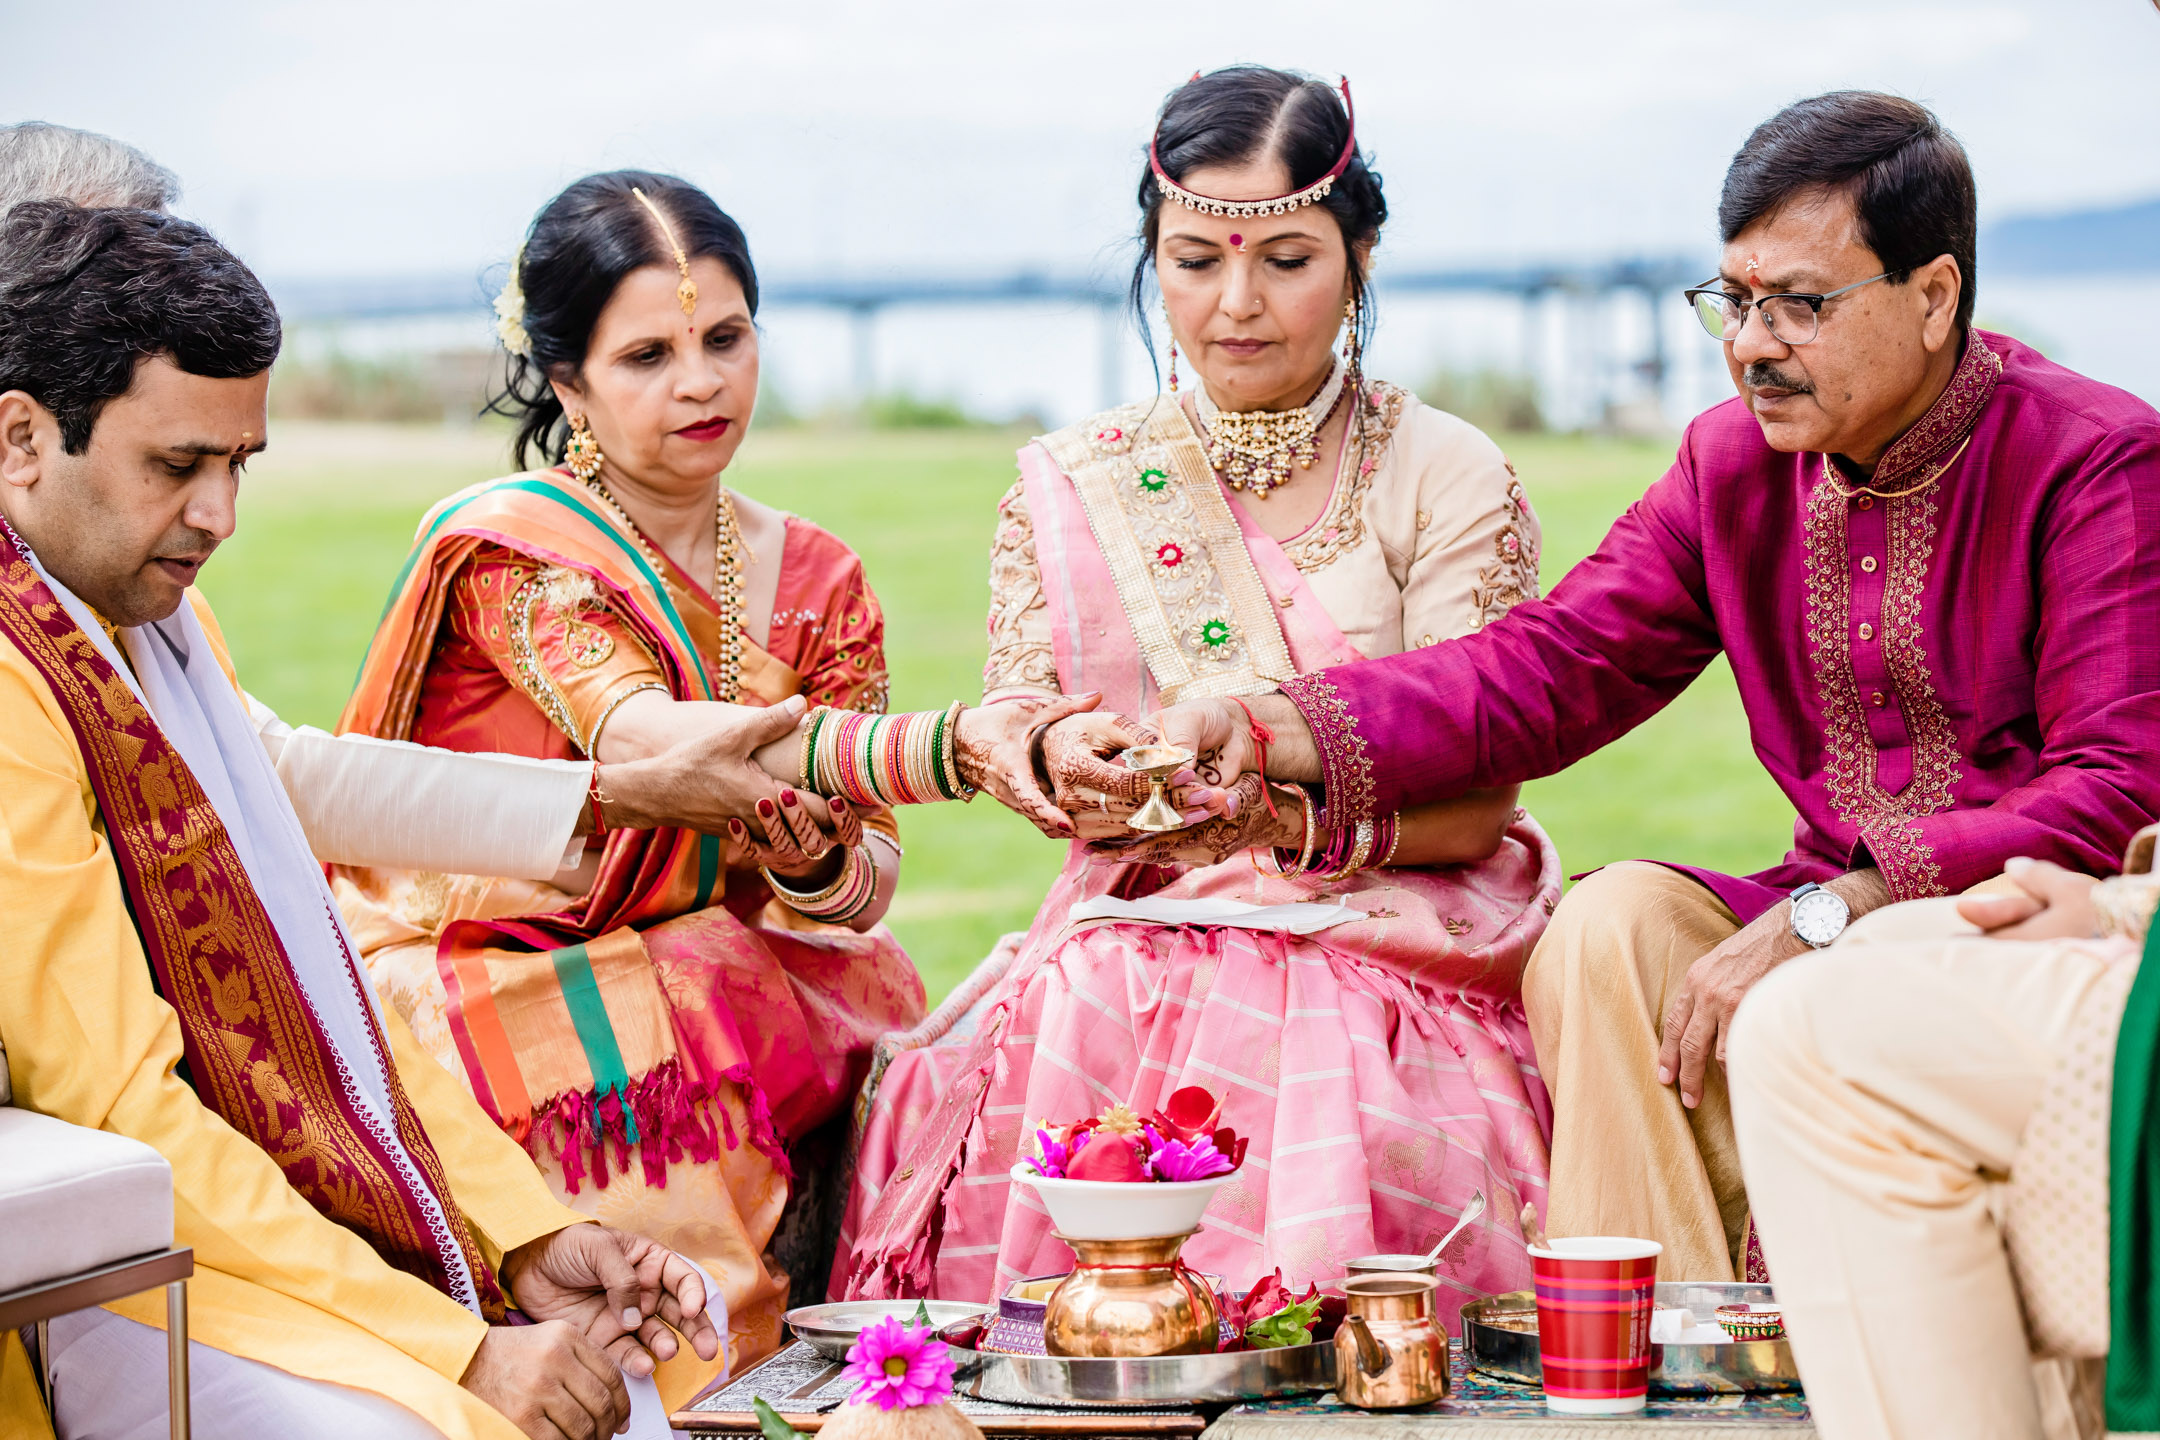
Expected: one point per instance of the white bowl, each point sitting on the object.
(1122, 1209)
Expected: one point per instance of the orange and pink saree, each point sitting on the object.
(661, 1040)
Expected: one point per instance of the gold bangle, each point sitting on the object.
(802, 897)
(809, 737)
(1394, 843)
(607, 713)
(962, 791)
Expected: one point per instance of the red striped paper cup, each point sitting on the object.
(1594, 1297)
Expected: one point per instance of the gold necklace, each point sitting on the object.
(1830, 474)
(1253, 448)
(728, 584)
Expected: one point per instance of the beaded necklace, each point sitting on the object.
(1253, 448)
(727, 579)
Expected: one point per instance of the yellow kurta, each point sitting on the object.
(90, 1042)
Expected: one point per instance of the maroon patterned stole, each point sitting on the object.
(255, 1050)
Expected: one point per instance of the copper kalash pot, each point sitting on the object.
(1131, 1297)
(1391, 1351)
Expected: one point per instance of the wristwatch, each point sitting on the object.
(1819, 916)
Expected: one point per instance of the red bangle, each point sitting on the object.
(1262, 738)
(594, 798)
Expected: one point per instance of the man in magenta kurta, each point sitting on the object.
(1932, 557)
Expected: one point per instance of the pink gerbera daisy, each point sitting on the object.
(898, 1367)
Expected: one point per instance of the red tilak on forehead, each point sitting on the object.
(1237, 242)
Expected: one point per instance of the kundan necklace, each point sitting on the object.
(1253, 448)
(727, 579)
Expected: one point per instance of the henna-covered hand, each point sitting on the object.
(1220, 733)
(788, 838)
(1214, 839)
(1079, 758)
(993, 752)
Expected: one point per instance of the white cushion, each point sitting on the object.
(73, 1199)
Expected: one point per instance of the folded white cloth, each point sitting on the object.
(1294, 919)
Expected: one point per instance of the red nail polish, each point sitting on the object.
(787, 797)
(765, 809)
(838, 804)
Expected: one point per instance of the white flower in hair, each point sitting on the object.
(510, 311)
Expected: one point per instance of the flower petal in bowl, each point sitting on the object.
(1122, 1210)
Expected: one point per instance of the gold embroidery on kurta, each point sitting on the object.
(1884, 821)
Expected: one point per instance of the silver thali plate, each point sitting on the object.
(831, 1329)
(1146, 1383)
(1500, 1340)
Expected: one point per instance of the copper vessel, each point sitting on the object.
(1391, 1352)
(1130, 1297)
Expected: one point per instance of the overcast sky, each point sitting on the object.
(338, 139)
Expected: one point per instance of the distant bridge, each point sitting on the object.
(1657, 280)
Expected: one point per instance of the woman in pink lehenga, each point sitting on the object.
(1283, 515)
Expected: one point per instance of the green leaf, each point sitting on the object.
(771, 1425)
(1291, 1325)
(922, 1314)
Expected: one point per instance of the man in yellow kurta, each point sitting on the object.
(172, 969)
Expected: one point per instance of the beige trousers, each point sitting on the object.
(1627, 1157)
(1880, 1090)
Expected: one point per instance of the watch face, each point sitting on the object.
(1819, 917)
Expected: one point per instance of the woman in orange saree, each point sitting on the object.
(665, 1022)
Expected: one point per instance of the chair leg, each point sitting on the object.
(176, 1353)
(44, 1363)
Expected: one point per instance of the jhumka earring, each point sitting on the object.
(1353, 351)
(1173, 347)
(583, 452)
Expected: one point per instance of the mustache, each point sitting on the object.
(186, 540)
(1762, 375)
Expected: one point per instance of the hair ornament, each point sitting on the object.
(510, 311)
(686, 292)
(1252, 209)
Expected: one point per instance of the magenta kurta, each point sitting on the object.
(1937, 682)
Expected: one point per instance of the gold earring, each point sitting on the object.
(583, 452)
(1353, 347)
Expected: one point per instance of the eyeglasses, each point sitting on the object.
(1790, 319)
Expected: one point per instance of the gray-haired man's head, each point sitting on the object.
(51, 162)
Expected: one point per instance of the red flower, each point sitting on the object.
(1192, 1113)
(1171, 555)
(1188, 1114)
(1109, 1157)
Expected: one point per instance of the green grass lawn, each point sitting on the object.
(328, 512)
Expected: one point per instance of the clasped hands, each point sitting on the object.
(1054, 762)
(1051, 759)
(605, 1303)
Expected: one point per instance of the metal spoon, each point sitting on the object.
(1470, 1212)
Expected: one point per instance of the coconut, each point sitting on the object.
(942, 1421)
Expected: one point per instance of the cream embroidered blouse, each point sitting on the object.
(1429, 536)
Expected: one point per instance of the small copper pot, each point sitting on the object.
(1130, 1297)
(1391, 1351)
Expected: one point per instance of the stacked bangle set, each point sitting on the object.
(846, 897)
(1345, 851)
(908, 759)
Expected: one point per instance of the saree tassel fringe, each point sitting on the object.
(665, 1115)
